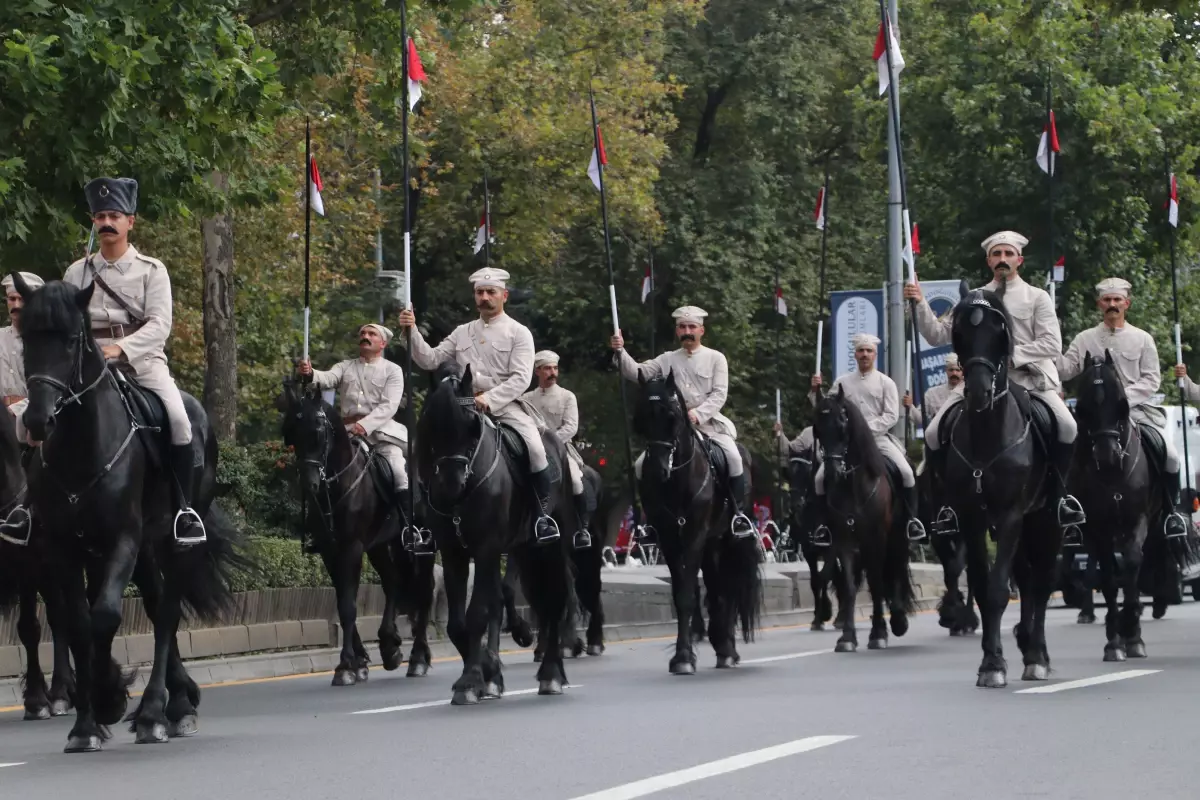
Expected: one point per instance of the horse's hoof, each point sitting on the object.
(569, 652)
(595, 649)
(817, 626)
(551, 686)
(82, 744)
(361, 674)
(37, 713)
(465, 697)
(60, 708)
(344, 677)
(727, 662)
(537, 657)
(899, 624)
(417, 669)
(683, 668)
(1160, 609)
(877, 644)
(391, 662)
(1085, 618)
(845, 647)
(992, 679)
(1135, 649)
(1114, 654)
(184, 727)
(154, 733)
(1035, 672)
(955, 632)
(493, 690)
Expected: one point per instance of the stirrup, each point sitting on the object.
(1072, 536)
(583, 539)
(188, 541)
(417, 540)
(1070, 512)
(1177, 531)
(916, 525)
(946, 523)
(821, 537)
(746, 528)
(17, 528)
(544, 532)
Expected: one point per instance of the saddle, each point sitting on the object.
(517, 454)
(716, 459)
(148, 413)
(1155, 447)
(896, 483)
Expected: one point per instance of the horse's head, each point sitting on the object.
(59, 350)
(801, 469)
(842, 433)
(309, 428)
(661, 419)
(451, 430)
(982, 337)
(1102, 409)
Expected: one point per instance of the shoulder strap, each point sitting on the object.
(137, 320)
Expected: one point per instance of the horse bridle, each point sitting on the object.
(468, 462)
(992, 367)
(671, 446)
(82, 344)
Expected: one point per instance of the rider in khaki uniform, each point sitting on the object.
(370, 389)
(15, 526)
(702, 376)
(560, 409)
(499, 351)
(1135, 357)
(939, 395)
(131, 317)
(1037, 345)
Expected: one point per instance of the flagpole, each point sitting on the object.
(777, 500)
(307, 224)
(824, 256)
(1052, 159)
(487, 222)
(612, 298)
(1182, 382)
(409, 419)
(650, 297)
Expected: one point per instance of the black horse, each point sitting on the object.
(100, 487)
(482, 508)
(867, 523)
(956, 612)
(24, 574)
(823, 567)
(1115, 481)
(996, 476)
(352, 514)
(680, 492)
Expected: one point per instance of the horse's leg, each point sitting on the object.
(111, 686)
(847, 592)
(345, 567)
(493, 670)
(150, 720)
(1102, 549)
(699, 630)
(947, 553)
(685, 591)
(29, 631)
(572, 642)
(86, 735)
(1087, 591)
(874, 555)
(470, 686)
(819, 586)
(993, 670)
(421, 591)
(1043, 542)
(62, 682)
(589, 588)
(1131, 612)
(546, 577)
(517, 627)
(968, 620)
(720, 617)
(455, 563)
(974, 535)
(390, 640)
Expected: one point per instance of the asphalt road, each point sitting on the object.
(795, 720)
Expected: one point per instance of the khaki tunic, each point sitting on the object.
(500, 354)
(878, 399)
(1191, 391)
(373, 391)
(12, 375)
(560, 409)
(143, 284)
(703, 379)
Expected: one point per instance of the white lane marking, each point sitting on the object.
(435, 703)
(1111, 677)
(14, 764)
(670, 780)
(785, 657)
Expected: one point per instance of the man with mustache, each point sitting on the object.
(560, 409)
(371, 389)
(499, 351)
(1037, 345)
(1135, 356)
(131, 316)
(12, 385)
(702, 376)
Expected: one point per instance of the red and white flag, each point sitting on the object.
(1173, 203)
(482, 232)
(647, 285)
(819, 213)
(599, 159)
(315, 186)
(416, 74)
(1048, 149)
(884, 41)
(911, 247)
(1059, 273)
(780, 303)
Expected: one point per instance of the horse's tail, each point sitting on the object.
(741, 580)
(205, 571)
(896, 573)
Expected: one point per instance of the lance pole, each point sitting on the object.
(1182, 382)
(1052, 162)
(409, 410)
(487, 222)
(307, 224)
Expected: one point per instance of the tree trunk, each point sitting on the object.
(220, 327)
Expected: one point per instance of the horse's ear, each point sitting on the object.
(641, 378)
(671, 381)
(1087, 356)
(963, 289)
(464, 386)
(841, 395)
(1001, 289)
(84, 296)
(1108, 356)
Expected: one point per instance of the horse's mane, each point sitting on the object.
(862, 441)
(641, 417)
(53, 309)
(1113, 388)
(973, 299)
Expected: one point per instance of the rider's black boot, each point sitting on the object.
(189, 528)
(741, 525)
(545, 529)
(820, 536)
(1070, 510)
(915, 528)
(583, 537)
(1176, 523)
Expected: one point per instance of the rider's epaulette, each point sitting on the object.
(154, 262)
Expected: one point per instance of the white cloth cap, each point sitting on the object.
(489, 276)
(952, 361)
(689, 314)
(34, 281)
(545, 357)
(865, 340)
(1114, 286)
(386, 333)
(1005, 237)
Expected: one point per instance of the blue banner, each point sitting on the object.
(852, 313)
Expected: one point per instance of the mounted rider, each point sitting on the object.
(371, 388)
(499, 351)
(1037, 345)
(702, 376)
(877, 397)
(939, 395)
(12, 386)
(560, 409)
(1135, 357)
(131, 315)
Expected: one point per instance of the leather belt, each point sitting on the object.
(116, 330)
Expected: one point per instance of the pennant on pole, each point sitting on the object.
(1059, 274)
(909, 252)
(1048, 147)
(916, 241)
(599, 159)
(780, 303)
(482, 232)
(315, 186)
(647, 285)
(416, 74)
(819, 214)
(1173, 203)
(887, 40)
